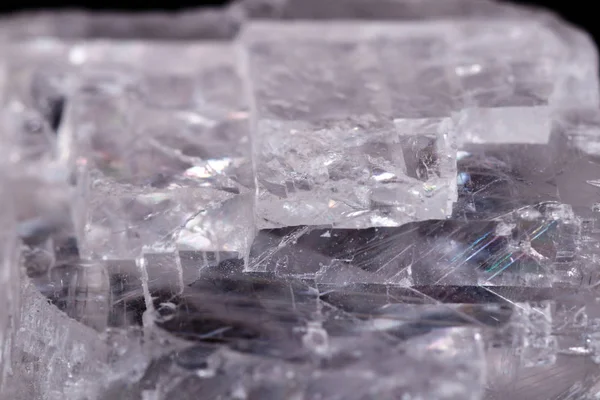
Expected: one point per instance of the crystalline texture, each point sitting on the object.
(350, 350)
(34, 332)
(424, 176)
(47, 337)
(514, 252)
(312, 121)
(162, 149)
(326, 147)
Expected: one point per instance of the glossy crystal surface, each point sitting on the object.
(287, 199)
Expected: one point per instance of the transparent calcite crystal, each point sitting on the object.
(43, 351)
(334, 102)
(519, 250)
(349, 349)
(326, 148)
(300, 199)
(51, 351)
(161, 148)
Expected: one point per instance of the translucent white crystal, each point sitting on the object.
(426, 188)
(162, 149)
(310, 111)
(47, 337)
(326, 150)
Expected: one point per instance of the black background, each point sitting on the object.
(579, 12)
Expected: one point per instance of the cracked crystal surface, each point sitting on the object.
(287, 199)
(161, 149)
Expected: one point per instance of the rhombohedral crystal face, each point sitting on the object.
(300, 199)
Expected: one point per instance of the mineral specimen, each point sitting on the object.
(162, 151)
(294, 199)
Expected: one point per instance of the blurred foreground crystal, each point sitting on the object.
(287, 199)
(161, 149)
(9, 281)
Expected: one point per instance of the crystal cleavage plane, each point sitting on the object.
(300, 199)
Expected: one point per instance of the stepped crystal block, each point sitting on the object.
(325, 95)
(162, 149)
(300, 199)
(326, 148)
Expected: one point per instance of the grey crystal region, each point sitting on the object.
(525, 249)
(9, 281)
(33, 96)
(162, 149)
(506, 125)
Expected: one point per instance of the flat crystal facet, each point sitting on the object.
(514, 252)
(299, 199)
(46, 336)
(163, 152)
(331, 153)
